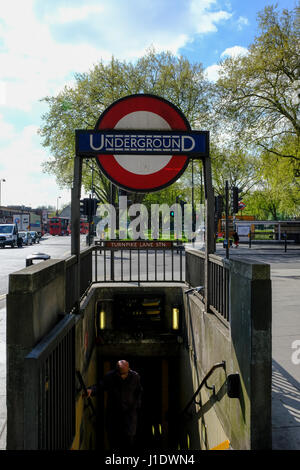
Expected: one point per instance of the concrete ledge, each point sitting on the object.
(250, 269)
(35, 277)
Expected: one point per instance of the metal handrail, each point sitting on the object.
(213, 368)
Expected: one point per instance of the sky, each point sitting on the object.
(43, 43)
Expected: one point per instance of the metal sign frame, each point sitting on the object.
(208, 189)
(144, 114)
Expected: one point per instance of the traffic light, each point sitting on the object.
(234, 199)
(93, 204)
(84, 206)
(219, 206)
(171, 213)
(88, 207)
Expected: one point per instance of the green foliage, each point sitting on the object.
(258, 91)
(163, 74)
(236, 166)
(278, 193)
(252, 113)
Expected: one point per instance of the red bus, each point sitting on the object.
(84, 227)
(59, 226)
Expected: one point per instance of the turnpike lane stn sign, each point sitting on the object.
(142, 143)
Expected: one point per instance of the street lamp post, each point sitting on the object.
(59, 197)
(1, 180)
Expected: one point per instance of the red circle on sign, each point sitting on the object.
(154, 110)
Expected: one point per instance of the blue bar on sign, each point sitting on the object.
(118, 142)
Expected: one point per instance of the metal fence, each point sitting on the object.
(162, 262)
(218, 280)
(49, 390)
(195, 268)
(86, 276)
(156, 264)
(218, 272)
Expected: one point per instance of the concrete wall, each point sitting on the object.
(35, 301)
(245, 344)
(36, 298)
(86, 364)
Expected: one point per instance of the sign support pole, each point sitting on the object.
(209, 239)
(75, 226)
(226, 219)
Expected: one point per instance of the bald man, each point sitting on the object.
(124, 392)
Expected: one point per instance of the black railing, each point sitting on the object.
(86, 276)
(159, 262)
(86, 270)
(194, 270)
(219, 286)
(49, 390)
(165, 261)
(218, 281)
(203, 382)
(70, 273)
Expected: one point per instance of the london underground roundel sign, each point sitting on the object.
(142, 143)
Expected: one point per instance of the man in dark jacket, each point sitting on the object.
(236, 238)
(124, 392)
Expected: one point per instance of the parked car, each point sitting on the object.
(26, 237)
(8, 235)
(35, 237)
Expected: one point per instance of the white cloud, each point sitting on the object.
(2, 93)
(21, 159)
(38, 54)
(70, 14)
(212, 72)
(205, 21)
(234, 51)
(7, 130)
(242, 21)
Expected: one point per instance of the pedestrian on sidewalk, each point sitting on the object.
(236, 238)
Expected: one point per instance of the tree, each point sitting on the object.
(278, 192)
(263, 204)
(79, 107)
(236, 166)
(259, 92)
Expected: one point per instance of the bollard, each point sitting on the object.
(112, 265)
(30, 258)
(285, 242)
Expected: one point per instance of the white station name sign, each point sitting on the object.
(137, 142)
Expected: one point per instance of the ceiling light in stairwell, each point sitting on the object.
(102, 320)
(175, 318)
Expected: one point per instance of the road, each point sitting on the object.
(14, 259)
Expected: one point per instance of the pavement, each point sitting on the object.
(2, 374)
(285, 275)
